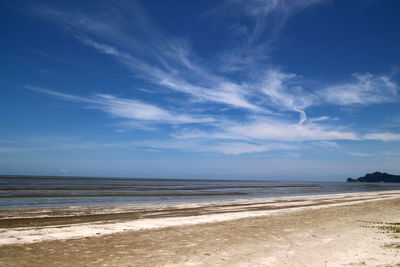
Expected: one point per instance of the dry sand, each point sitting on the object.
(298, 231)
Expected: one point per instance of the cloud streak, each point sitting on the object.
(252, 100)
(163, 61)
(266, 15)
(364, 90)
(124, 108)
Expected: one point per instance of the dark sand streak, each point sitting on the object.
(126, 188)
(56, 219)
(123, 195)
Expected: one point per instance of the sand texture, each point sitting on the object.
(329, 230)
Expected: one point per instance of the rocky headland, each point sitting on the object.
(377, 177)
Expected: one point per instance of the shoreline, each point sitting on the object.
(339, 234)
(37, 225)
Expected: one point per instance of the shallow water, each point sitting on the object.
(25, 192)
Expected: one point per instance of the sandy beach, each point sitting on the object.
(322, 230)
(150, 133)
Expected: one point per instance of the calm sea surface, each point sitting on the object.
(25, 192)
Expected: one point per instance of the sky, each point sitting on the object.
(231, 89)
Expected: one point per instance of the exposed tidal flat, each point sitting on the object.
(336, 229)
(36, 192)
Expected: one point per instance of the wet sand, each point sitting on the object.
(322, 230)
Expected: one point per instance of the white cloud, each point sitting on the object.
(360, 154)
(328, 145)
(259, 24)
(284, 131)
(271, 14)
(382, 136)
(237, 148)
(216, 89)
(317, 119)
(130, 109)
(221, 91)
(222, 146)
(169, 62)
(163, 61)
(365, 89)
(284, 95)
(55, 93)
(260, 89)
(137, 110)
(270, 129)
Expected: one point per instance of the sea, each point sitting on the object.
(39, 192)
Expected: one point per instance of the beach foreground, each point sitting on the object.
(326, 230)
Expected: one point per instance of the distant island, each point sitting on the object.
(377, 177)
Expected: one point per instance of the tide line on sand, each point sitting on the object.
(163, 215)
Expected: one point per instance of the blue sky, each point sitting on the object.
(278, 89)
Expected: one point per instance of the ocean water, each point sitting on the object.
(33, 192)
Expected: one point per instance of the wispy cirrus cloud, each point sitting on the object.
(284, 94)
(169, 62)
(265, 14)
(204, 87)
(385, 136)
(124, 108)
(163, 61)
(238, 148)
(228, 147)
(262, 132)
(364, 90)
(284, 131)
(241, 79)
(227, 136)
(258, 24)
(272, 129)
